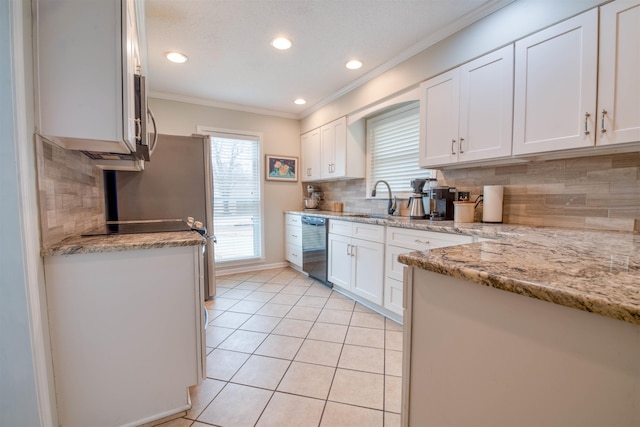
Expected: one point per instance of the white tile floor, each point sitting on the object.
(285, 350)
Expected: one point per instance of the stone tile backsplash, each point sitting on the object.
(71, 194)
(600, 192)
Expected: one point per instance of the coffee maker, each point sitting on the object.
(416, 204)
(443, 198)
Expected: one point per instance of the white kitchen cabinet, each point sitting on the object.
(555, 87)
(404, 240)
(310, 156)
(466, 113)
(334, 151)
(356, 258)
(86, 56)
(293, 240)
(618, 114)
(127, 333)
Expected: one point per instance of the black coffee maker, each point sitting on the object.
(443, 198)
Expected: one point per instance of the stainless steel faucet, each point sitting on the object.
(392, 200)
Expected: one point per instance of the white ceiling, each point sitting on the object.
(232, 64)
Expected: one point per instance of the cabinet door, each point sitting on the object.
(367, 279)
(328, 151)
(618, 81)
(339, 147)
(486, 106)
(555, 87)
(333, 140)
(310, 155)
(83, 89)
(339, 260)
(439, 106)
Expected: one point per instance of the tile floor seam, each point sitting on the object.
(303, 339)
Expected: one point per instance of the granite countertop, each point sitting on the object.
(594, 271)
(122, 242)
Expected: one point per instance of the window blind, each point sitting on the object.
(392, 149)
(237, 207)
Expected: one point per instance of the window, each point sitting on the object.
(237, 202)
(392, 148)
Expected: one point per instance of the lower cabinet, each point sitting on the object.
(127, 333)
(356, 259)
(403, 240)
(293, 239)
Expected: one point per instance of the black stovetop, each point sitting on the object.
(137, 227)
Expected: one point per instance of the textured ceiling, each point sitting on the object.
(232, 62)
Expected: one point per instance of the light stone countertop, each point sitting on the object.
(594, 271)
(122, 242)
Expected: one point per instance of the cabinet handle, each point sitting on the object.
(453, 142)
(602, 128)
(138, 129)
(586, 123)
(348, 253)
(424, 242)
(353, 250)
(460, 145)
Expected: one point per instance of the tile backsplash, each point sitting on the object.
(600, 192)
(71, 193)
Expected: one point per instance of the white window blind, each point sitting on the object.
(237, 206)
(392, 149)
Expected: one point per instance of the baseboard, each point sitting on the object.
(221, 271)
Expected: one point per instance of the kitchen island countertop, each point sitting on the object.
(122, 242)
(594, 271)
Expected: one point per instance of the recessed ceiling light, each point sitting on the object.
(300, 101)
(354, 64)
(281, 43)
(176, 57)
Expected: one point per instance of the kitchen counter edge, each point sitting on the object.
(589, 270)
(122, 242)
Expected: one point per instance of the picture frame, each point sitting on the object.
(281, 168)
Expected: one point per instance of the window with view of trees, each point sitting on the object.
(237, 202)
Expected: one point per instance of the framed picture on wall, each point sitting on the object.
(281, 168)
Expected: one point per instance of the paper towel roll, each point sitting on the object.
(492, 203)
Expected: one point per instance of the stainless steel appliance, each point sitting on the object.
(177, 184)
(314, 247)
(416, 202)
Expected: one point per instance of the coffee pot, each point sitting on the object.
(416, 204)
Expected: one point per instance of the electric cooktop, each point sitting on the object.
(137, 227)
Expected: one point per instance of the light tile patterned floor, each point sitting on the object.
(285, 350)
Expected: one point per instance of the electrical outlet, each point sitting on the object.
(463, 196)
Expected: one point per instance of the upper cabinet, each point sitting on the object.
(87, 54)
(618, 115)
(555, 87)
(333, 151)
(466, 113)
(310, 155)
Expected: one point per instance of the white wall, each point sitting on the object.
(510, 23)
(281, 136)
(18, 402)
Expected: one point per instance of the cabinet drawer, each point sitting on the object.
(294, 235)
(393, 268)
(294, 220)
(393, 295)
(373, 233)
(294, 254)
(423, 240)
(343, 228)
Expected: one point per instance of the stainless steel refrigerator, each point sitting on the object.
(177, 183)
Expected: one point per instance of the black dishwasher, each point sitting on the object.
(314, 247)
